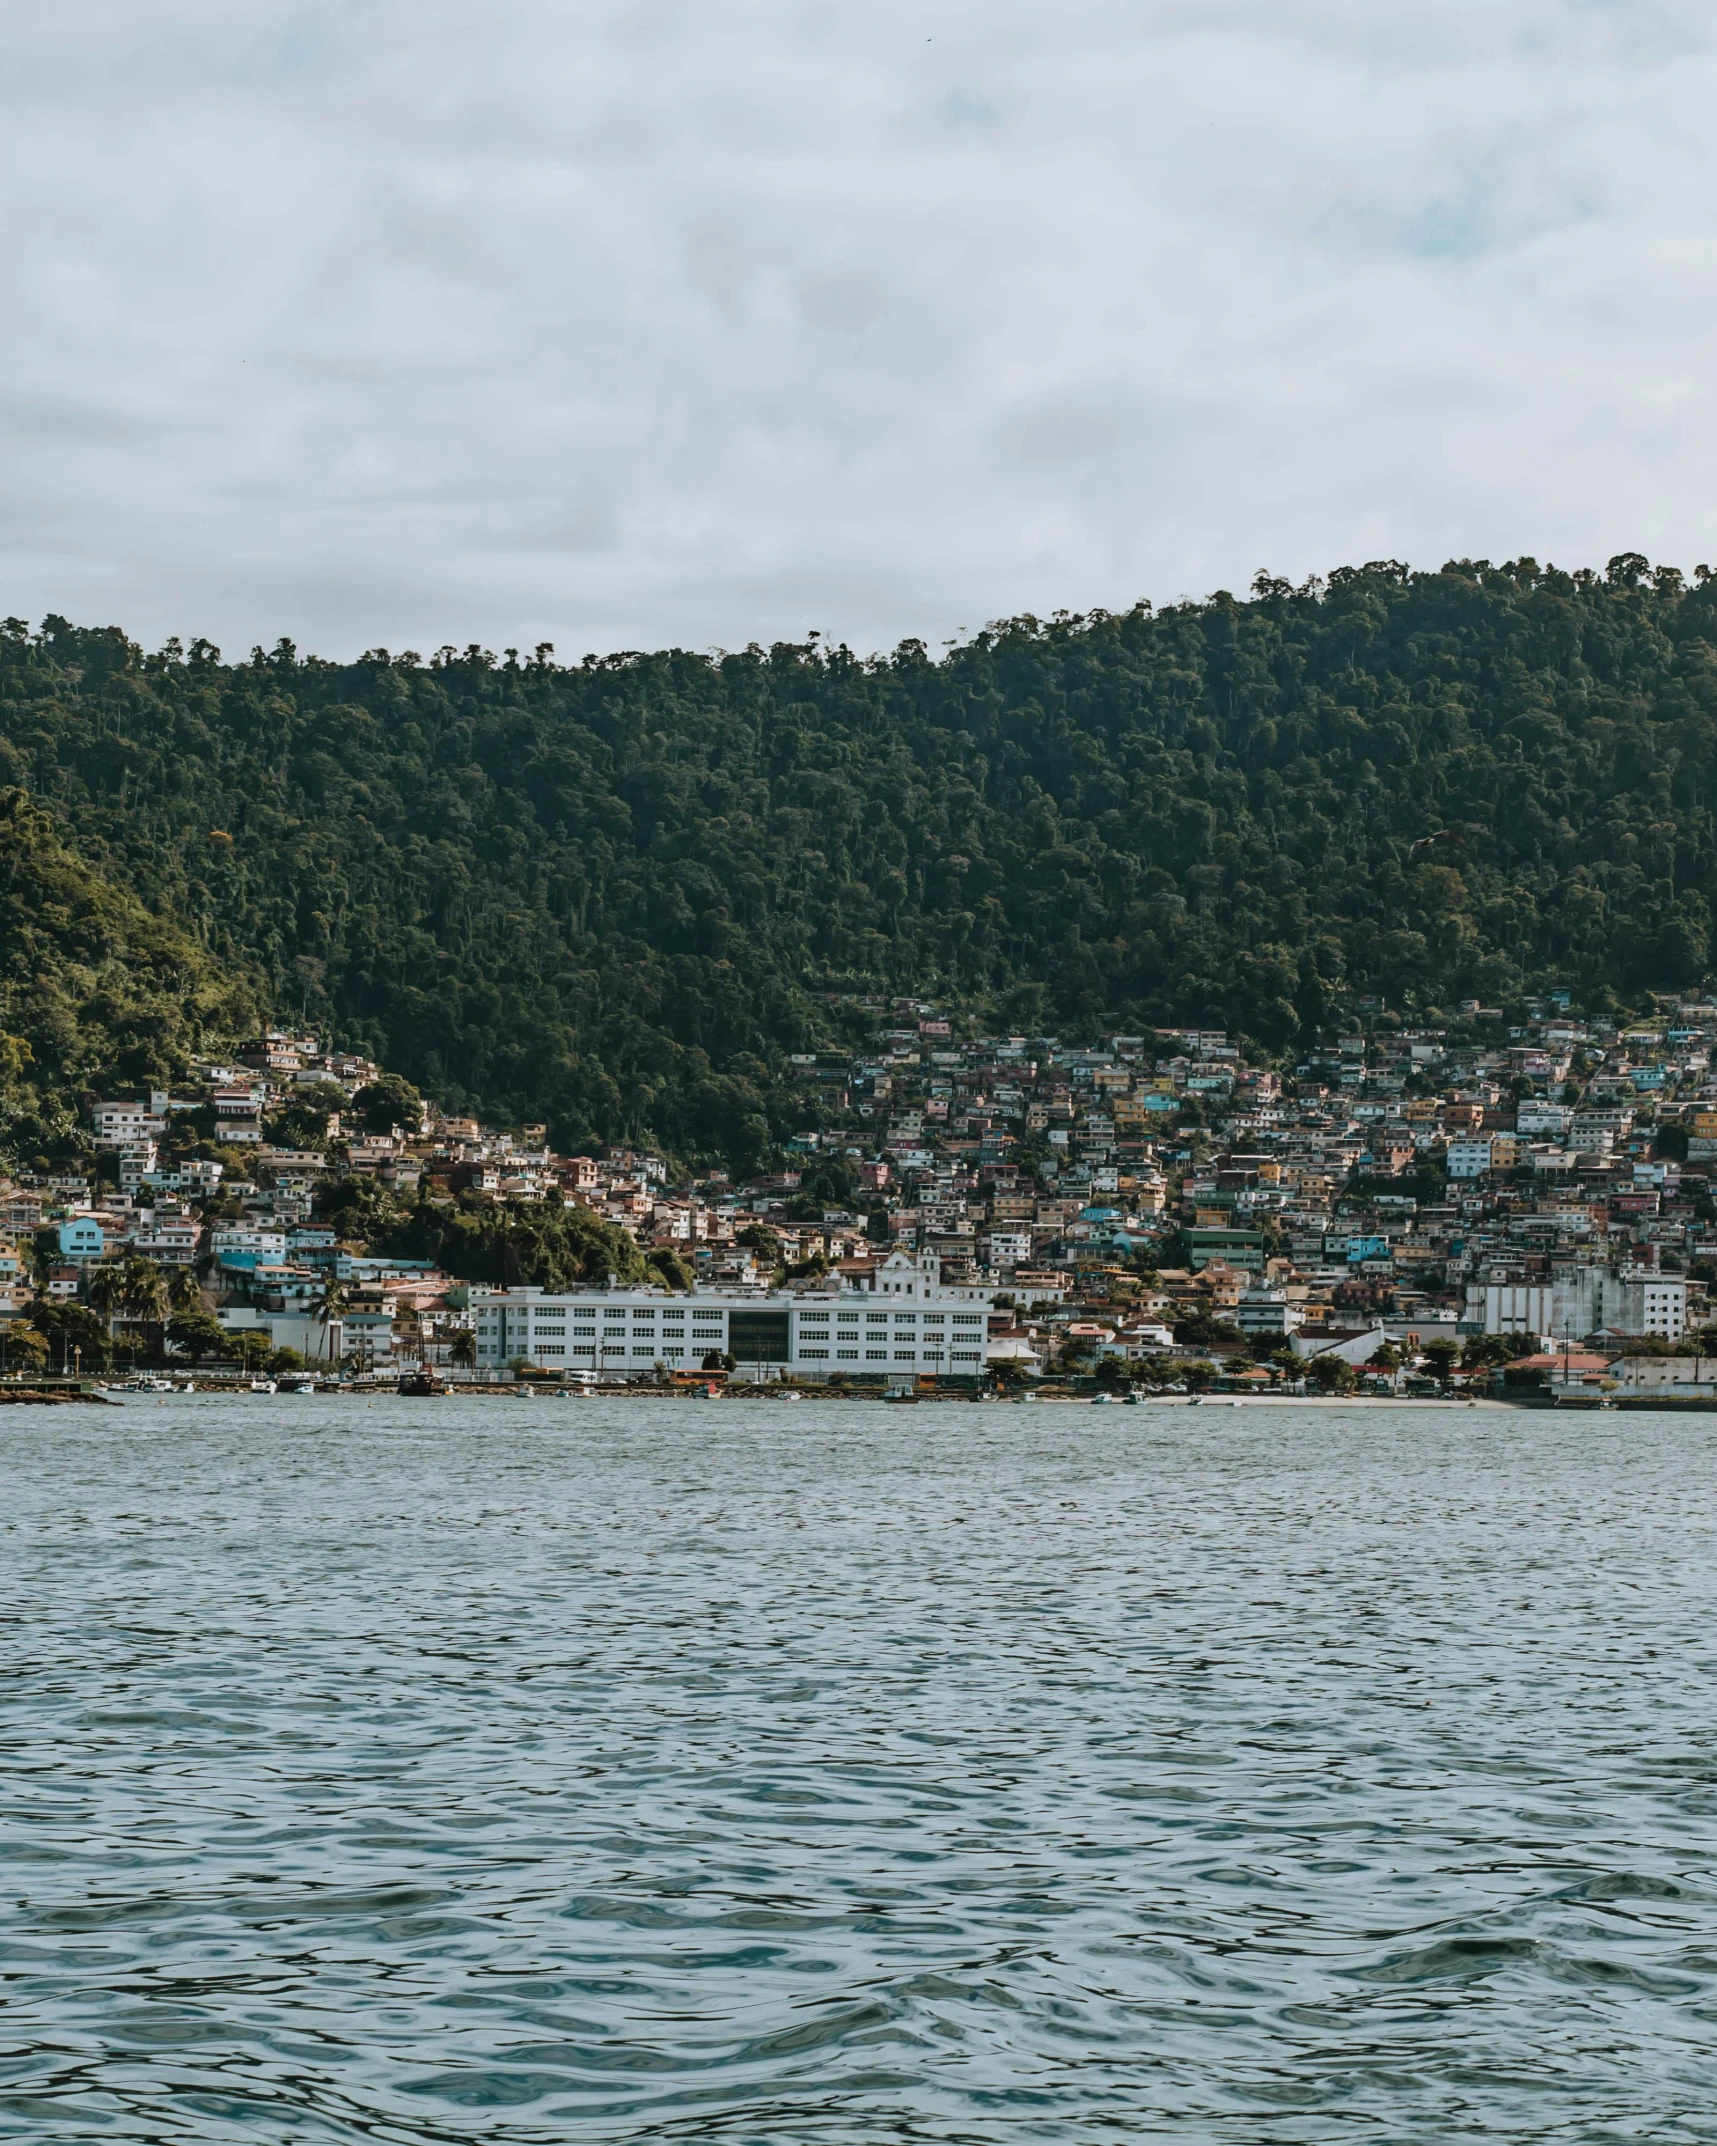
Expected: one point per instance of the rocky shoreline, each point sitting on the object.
(50, 1397)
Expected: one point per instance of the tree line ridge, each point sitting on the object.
(614, 895)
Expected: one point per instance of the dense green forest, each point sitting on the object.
(613, 894)
(93, 988)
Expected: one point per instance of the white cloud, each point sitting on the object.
(654, 322)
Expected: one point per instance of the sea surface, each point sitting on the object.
(481, 1770)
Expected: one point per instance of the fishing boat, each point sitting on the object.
(420, 1383)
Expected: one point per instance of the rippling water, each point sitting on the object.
(457, 1770)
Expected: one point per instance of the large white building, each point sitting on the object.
(1583, 1300)
(898, 1320)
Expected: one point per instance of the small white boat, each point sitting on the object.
(263, 1386)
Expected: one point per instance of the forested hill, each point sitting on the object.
(94, 990)
(612, 894)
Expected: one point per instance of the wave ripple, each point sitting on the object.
(646, 1771)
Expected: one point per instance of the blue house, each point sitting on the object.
(82, 1238)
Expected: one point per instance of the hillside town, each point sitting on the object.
(1405, 1207)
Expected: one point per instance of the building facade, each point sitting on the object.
(1268, 1311)
(1583, 1300)
(899, 1320)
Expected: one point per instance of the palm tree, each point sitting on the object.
(105, 1290)
(330, 1302)
(463, 1348)
(184, 1291)
(145, 1293)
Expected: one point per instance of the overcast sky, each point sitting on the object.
(620, 323)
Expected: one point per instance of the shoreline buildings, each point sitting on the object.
(1138, 1197)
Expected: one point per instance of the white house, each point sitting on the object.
(318, 1342)
(1018, 1350)
(1468, 1158)
(240, 1238)
(119, 1125)
(1143, 1338)
(1307, 1342)
(1269, 1311)
(136, 1164)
